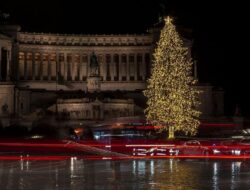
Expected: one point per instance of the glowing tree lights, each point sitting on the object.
(172, 99)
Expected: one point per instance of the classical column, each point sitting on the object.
(112, 68)
(80, 68)
(29, 65)
(115, 66)
(73, 67)
(57, 65)
(37, 65)
(40, 70)
(143, 70)
(8, 65)
(41, 66)
(61, 68)
(127, 65)
(11, 72)
(120, 67)
(104, 67)
(45, 67)
(70, 66)
(76, 65)
(88, 63)
(135, 67)
(33, 66)
(107, 65)
(49, 67)
(43, 71)
(65, 67)
(25, 66)
(84, 66)
(0, 61)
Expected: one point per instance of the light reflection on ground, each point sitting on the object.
(126, 174)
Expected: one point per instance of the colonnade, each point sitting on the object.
(75, 66)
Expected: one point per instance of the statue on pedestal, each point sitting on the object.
(93, 80)
(94, 66)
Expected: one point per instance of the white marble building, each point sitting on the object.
(36, 67)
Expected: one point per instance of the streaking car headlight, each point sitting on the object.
(215, 151)
(236, 152)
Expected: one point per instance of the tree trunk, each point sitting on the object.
(171, 132)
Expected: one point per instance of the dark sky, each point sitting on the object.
(219, 31)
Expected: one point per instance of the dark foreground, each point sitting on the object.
(127, 174)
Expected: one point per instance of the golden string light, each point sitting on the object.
(172, 99)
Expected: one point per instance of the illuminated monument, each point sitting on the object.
(86, 77)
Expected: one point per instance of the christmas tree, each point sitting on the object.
(172, 98)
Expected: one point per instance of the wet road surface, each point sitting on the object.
(125, 175)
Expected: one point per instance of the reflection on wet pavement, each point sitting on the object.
(124, 175)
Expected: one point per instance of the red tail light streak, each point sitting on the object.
(120, 150)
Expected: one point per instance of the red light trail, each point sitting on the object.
(92, 150)
(46, 158)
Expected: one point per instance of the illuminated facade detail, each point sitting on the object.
(43, 65)
(88, 109)
(121, 57)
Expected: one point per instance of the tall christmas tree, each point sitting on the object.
(172, 98)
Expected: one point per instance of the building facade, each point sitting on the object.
(67, 73)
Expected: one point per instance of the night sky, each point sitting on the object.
(219, 32)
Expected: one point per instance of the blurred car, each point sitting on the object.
(193, 147)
